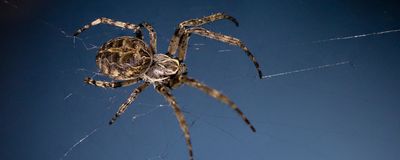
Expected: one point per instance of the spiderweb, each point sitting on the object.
(197, 47)
(147, 108)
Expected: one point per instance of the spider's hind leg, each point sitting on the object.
(109, 21)
(152, 34)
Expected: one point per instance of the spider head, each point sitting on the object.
(124, 58)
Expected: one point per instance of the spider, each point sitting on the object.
(130, 60)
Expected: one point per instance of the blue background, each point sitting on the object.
(345, 112)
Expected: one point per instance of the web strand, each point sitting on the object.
(88, 46)
(357, 36)
(66, 97)
(306, 69)
(79, 142)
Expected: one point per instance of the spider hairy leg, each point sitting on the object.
(208, 19)
(130, 99)
(183, 45)
(104, 84)
(179, 115)
(173, 45)
(129, 60)
(217, 95)
(109, 21)
(153, 36)
(219, 37)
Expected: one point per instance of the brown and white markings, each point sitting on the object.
(130, 60)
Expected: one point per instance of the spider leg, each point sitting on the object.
(173, 45)
(183, 45)
(108, 21)
(130, 99)
(153, 36)
(179, 115)
(104, 84)
(208, 19)
(219, 37)
(217, 95)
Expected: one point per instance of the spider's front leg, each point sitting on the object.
(179, 115)
(104, 84)
(216, 36)
(174, 42)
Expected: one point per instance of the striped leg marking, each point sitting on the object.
(183, 45)
(207, 19)
(179, 115)
(130, 99)
(104, 84)
(109, 21)
(217, 95)
(173, 45)
(153, 36)
(226, 39)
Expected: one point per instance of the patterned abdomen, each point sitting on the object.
(123, 58)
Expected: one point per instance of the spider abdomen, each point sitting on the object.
(124, 58)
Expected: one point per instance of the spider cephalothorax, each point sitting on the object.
(130, 60)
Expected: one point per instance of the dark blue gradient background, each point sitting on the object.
(346, 112)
